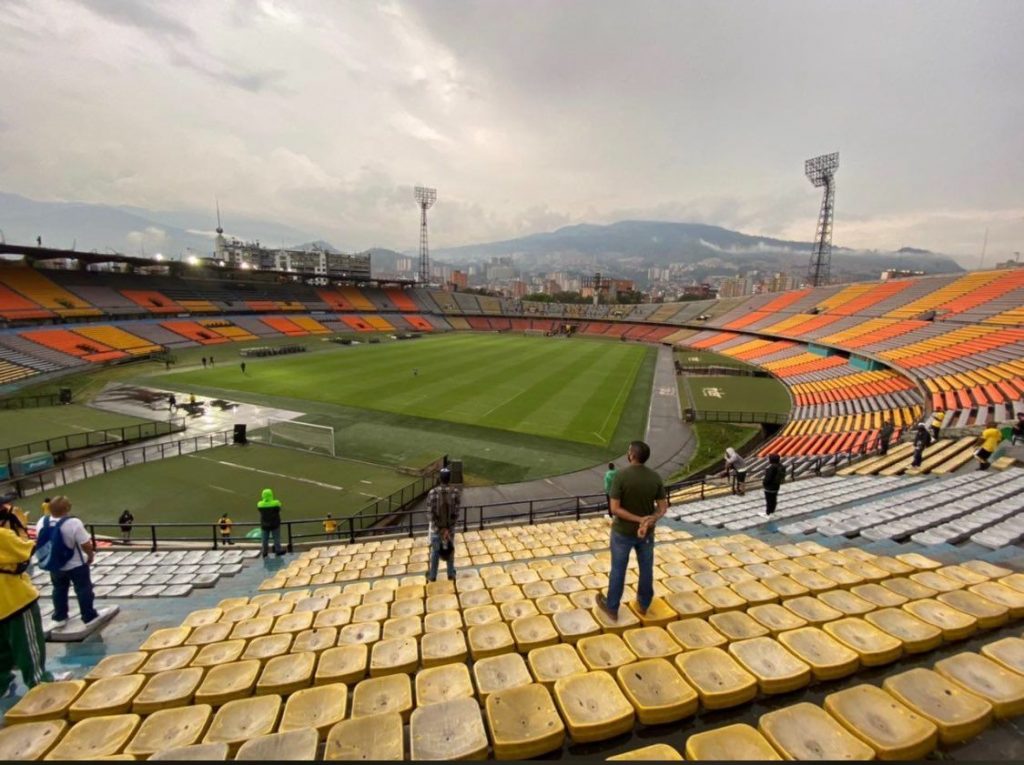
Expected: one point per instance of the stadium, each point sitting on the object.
(882, 582)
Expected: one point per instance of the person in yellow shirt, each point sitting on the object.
(991, 436)
(936, 425)
(330, 527)
(225, 523)
(45, 507)
(22, 641)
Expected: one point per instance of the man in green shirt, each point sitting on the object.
(609, 476)
(638, 501)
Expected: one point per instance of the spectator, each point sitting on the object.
(243, 367)
(13, 519)
(270, 521)
(192, 402)
(609, 476)
(884, 437)
(444, 502)
(225, 524)
(736, 465)
(330, 527)
(65, 549)
(172, 403)
(204, 362)
(774, 476)
(990, 438)
(211, 361)
(1017, 434)
(922, 440)
(638, 502)
(125, 522)
(937, 418)
(22, 642)
(45, 507)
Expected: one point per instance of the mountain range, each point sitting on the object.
(626, 247)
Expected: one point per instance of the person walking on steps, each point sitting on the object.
(1017, 434)
(774, 476)
(922, 440)
(125, 522)
(737, 466)
(885, 437)
(936, 425)
(270, 522)
(22, 641)
(639, 501)
(444, 503)
(609, 476)
(990, 439)
(65, 549)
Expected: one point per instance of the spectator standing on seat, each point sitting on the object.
(444, 503)
(65, 549)
(270, 522)
(937, 418)
(922, 440)
(225, 523)
(639, 501)
(609, 476)
(125, 522)
(22, 641)
(736, 465)
(990, 438)
(884, 437)
(330, 527)
(774, 476)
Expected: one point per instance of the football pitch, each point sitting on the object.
(727, 393)
(20, 426)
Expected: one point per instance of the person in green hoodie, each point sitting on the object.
(270, 521)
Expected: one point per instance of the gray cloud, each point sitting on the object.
(527, 115)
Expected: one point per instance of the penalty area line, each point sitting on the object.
(270, 472)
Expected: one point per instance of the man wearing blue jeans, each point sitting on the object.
(638, 501)
(75, 573)
(444, 503)
(270, 522)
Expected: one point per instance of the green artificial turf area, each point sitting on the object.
(712, 440)
(21, 426)
(197, 488)
(726, 393)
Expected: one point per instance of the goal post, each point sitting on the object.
(305, 436)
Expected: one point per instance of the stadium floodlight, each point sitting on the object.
(425, 198)
(820, 171)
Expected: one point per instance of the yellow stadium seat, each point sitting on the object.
(1001, 687)
(258, 626)
(807, 732)
(174, 688)
(497, 673)
(320, 707)
(524, 722)
(957, 714)
(380, 695)
(551, 663)
(117, 664)
(30, 740)
(170, 729)
(443, 647)
(396, 655)
(776, 669)
(1009, 652)
(692, 634)
(873, 646)
(775, 618)
(657, 691)
(209, 752)
(165, 638)
(240, 720)
(654, 752)
(169, 658)
(109, 696)
(449, 730)
(718, 679)
(46, 701)
(893, 730)
(278, 747)
(846, 602)
(376, 737)
(955, 624)
(443, 683)
(812, 610)
(95, 738)
(730, 742)
(593, 707)
(737, 625)
(442, 621)
(228, 682)
(988, 613)
(999, 593)
(917, 636)
(606, 652)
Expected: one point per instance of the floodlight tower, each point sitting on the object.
(821, 171)
(425, 198)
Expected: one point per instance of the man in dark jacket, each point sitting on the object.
(774, 476)
(921, 442)
(270, 521)
(884, 437)
(445, 504)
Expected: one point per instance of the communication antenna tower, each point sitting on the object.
(821, 171)
(425, 198)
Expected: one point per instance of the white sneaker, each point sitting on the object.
(59, 677)
(59, 624)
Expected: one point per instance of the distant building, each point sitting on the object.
(460, 280)
(252, 255)
(519, 289)
(899, 273)
(735, 286)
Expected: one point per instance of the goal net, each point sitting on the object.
(305, 436)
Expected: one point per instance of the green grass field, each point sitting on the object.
(569, 390)
(199, 487)
(723, 393)
(20, 426)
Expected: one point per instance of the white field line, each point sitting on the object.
(270, 472)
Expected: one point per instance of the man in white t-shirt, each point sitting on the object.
(74, 573)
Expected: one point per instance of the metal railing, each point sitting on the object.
(96, 438)
(753, 418)
(30, 402)
(46, 480)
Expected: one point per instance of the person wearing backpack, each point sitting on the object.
(444, 502)
(65, 549)
(22, 641)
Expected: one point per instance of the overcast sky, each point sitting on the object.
(526, 115)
